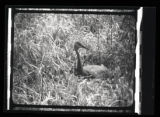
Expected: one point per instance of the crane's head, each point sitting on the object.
(78, 45)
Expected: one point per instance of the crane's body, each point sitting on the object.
(97, 71)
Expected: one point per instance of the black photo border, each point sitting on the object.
(148, 55)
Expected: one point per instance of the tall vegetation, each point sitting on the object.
(44, 59)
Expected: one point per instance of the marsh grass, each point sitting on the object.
(43, 62)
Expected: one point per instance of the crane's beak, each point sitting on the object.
(84, 47)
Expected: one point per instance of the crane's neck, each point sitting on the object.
(79, 65)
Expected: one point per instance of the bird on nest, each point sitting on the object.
(96, 71)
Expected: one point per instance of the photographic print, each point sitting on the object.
(73, 59)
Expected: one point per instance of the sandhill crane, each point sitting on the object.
(97, 71)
